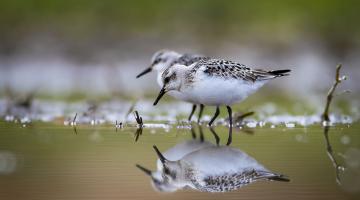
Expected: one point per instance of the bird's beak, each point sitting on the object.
(161, 93)
(159, 154)
(145, 170)
(147, 70)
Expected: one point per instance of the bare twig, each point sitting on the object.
(74, 120)
(117, 125)
(240, 118)
(338, 79)
(140, 123)
(138, 119)
(73, 123)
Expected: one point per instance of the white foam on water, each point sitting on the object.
(290, 125)
(163, 126)
(108, 112)
(251, 124)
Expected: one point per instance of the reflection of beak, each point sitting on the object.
(161, 157)
(147, 70)
(145, 170)
(161, 93)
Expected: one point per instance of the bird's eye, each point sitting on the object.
(156, 181)
(169, 173)
(156, 61)
(166, 170)
(167, 79)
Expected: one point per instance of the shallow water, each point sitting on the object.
(49, 161)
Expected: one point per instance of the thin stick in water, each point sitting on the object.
(330, 95)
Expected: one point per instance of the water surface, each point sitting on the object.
(51, 161)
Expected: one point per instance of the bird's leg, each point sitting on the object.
(215, 115)
(217, 139)
(200, 113)
(230, 123)
(192, 112)
(201, 134)
(193, 134)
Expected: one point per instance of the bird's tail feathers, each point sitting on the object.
(267, 75)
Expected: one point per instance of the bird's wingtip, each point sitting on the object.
(283, 72)
(280, 177)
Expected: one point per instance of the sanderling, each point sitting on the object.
(215, 82)
(209, 168)
(162, 60)
(175, 153)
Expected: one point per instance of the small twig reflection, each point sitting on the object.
(338, 168)
(140, 125)
(137, 134)
(246, 130)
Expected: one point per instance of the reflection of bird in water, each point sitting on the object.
(175, 153)
(207, 167)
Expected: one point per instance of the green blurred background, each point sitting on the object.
(59, 35)
(80, 24)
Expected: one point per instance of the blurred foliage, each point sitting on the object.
(334, 22)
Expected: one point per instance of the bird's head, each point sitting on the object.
(171, 79)
(164, 179)
(160, 61)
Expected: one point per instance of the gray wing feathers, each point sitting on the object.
(230, 69)
(229, 182)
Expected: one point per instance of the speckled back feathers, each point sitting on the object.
(229, 69)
